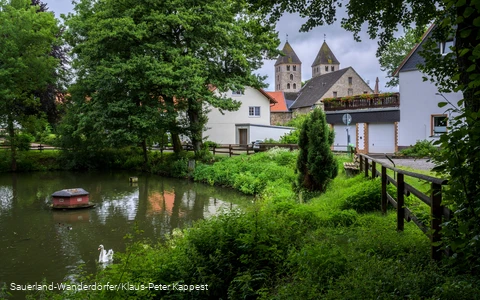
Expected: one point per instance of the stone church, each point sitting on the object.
(328, 80)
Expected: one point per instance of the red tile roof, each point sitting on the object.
(281, 105)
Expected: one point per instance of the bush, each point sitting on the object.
(23, 141)
(367, 198)
(421, 148)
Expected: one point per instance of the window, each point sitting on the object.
(333, 68)
(291, 76)
(254, 111)
(294, 68)
(288, 68)
(288, 86)
(350, 92)
(439, 124)
(335, 95)
(350, 80)
(278, 86)
(237, 93)
(365, 92)
(294, 86)
(445, 47)
(326, 68)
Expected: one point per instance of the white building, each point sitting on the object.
(249, 123)
(420, 116)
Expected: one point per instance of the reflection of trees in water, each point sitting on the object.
(6, 199)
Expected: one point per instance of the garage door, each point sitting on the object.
(340, 142)
(381, 138)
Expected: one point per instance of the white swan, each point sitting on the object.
(104, 255)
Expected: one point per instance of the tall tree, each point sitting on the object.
(25, 64)
(152, 65)
(395, 52)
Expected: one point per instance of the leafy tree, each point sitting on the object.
(316, 165)
(25, 65)
(396, 51)
(151, 66)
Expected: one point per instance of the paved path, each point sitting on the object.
(419, 163)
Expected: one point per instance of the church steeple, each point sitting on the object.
(325, 62)
(288, 70)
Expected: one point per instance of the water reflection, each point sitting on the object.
(37, 242)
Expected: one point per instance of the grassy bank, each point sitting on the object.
(335, 246)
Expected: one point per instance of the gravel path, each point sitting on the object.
(419, 164)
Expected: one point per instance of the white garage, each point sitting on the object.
(381, 138)
(340, 142)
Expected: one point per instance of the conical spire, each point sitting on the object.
(290, 56)
(325, 56)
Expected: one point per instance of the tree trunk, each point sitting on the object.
(465, 61)
(13, 144)
(145, 152)
(177, 144)
(196, 121)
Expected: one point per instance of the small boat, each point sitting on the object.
(71, 199)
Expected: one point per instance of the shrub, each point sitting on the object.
(23, 141)
(367, 198)
(421, 148)
(316, 165)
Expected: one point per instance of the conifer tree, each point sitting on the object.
(316, 165)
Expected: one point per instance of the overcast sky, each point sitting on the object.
(360, 56)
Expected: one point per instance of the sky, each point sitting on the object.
(359, 55)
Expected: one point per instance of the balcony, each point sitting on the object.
(363, 101)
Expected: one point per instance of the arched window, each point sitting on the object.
(291, 76)
(288, 86)
(294, 68)
(288, 67)
(326, 68)
(294, 86)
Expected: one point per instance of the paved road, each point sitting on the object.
(419, 163)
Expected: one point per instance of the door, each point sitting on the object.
(242, 134)
(381, 138)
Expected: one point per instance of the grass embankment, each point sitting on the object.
(336, 246)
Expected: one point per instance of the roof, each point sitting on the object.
(270, 98)
(281, 105)
(412, 59)
(317, 87)
(290, 56)
(70, 193)
(325, 56)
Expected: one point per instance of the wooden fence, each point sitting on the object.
(438, 213)
(237, 149)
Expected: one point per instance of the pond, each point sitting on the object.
(37, 242)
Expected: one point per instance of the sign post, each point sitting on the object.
(347, 119)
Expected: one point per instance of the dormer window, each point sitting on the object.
(288, 68)
(326, 68)
(333, 68)
(294, 68)
(445, 47)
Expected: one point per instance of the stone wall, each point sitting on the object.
(280, 118)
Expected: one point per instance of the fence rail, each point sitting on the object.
(238, 149)
(438, 213)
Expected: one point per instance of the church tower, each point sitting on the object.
(288, 71)
(325, 62)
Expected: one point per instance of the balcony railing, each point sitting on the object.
(362, 101)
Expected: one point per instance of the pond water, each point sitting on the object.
(37, 242)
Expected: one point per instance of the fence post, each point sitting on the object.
(213, 149)
(384, 189)
(374, 169)
(230, 150)
(436, 213)
(361, 162)
(366, 167)
(400, 202)
(247, 150)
